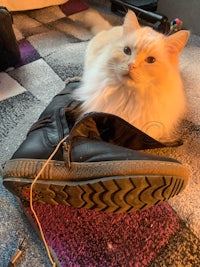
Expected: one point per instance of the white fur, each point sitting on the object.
(149, 96)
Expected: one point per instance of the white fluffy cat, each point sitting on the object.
(132, 72)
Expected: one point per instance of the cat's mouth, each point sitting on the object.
(128, 75)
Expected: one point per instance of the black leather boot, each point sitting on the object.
(98, 166)
(9, 50)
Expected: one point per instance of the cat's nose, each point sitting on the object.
(132, 66)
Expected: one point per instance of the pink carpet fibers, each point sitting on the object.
(81, 237)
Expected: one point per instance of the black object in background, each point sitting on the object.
(9, 50)
(145, 11)
(150, 5)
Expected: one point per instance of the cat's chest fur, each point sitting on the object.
(149, 110)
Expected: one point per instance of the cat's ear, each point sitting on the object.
(130, 22)
(177, 41)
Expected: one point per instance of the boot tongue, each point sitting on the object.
(114, 130)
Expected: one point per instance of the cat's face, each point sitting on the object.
(139, 57)
(142, 56)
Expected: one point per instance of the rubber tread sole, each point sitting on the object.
(125, 188)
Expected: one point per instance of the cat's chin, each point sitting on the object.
(128, 81)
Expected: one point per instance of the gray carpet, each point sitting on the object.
(60, 45)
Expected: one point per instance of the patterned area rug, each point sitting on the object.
(52, 48)
(97, 239)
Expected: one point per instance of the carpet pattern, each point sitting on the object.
(52, 50)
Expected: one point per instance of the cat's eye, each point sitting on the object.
(127, 50)
(150, 60)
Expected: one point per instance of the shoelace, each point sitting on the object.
(31, 201)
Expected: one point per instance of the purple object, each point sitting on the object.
(28, 53)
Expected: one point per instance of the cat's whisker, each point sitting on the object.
(119, 67)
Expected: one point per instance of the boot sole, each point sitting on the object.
(110, 186)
